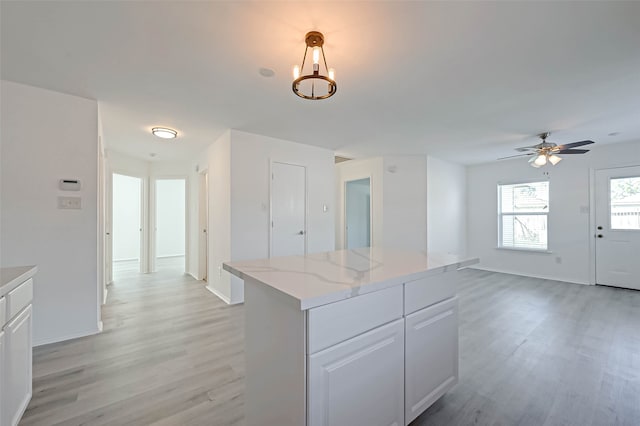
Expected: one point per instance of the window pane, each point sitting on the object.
(525, 197)
(625, 203)
(529, 231)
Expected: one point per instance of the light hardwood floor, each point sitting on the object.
(532, 352)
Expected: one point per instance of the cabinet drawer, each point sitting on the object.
(3, 312)
(19, 298)
(337, 322)
(430, 290)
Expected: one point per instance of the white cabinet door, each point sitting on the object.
(359, 381)
(2, 370)
(431, 358)
(17, 373)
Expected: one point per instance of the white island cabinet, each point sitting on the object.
(351, 337)
(16, 294)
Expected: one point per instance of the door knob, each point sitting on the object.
(599, 235)
(301, 233)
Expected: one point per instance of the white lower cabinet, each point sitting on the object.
(431, 358)
(2, 372)
(16, 377)
(359, 381)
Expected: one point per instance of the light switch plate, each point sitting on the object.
(70, 203)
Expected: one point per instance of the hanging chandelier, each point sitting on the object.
(314, 86)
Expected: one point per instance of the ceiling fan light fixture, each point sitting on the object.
(164, 132)
(312, 86)
(554, 159)
(540, 160)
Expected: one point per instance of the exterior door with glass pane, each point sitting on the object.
(618, 227)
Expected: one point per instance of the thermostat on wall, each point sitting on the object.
(69, 185)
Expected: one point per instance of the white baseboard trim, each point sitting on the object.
(47, 341)
(195, 277)
(541, 277)
(221, 296)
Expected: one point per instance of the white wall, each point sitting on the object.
(570, 227)
(47, 136)
(405, 203)
(170, 217)
(353, 170)
(446, 207)
(398, 199)
(238, 166)
(217, 161)
(250, 167)
(127, 198)
(251, 156)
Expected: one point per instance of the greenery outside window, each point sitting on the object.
(523, 210)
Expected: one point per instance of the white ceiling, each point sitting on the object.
(464, 81)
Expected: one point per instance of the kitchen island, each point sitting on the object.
(350, 337)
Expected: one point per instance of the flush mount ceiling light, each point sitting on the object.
(164, 133)
(314, 86)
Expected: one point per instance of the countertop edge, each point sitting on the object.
(19, 279)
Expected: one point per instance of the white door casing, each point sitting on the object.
(203, 220)
(616, 248)
(288, 210)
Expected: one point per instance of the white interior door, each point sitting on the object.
(127, 212)
(618, 227)
(288, 210)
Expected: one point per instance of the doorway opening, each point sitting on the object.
(357, 213)
(203, 221)
(170, 225)
(126, 232)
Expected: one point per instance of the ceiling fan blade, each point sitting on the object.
(571, 151)
(527, 148)
(574, 144)
(519, 155)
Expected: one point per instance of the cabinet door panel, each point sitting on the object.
(431, 358)
(359, 381)
(2, 375)
(17, 374)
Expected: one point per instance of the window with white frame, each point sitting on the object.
(523, 209)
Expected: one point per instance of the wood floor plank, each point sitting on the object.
(532, 352)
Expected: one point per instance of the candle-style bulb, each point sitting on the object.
(316, 55)
(296, 72)
(332, 74)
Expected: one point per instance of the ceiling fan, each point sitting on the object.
(546, 152)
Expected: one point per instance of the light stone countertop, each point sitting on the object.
(11, 277)
(321, 278)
